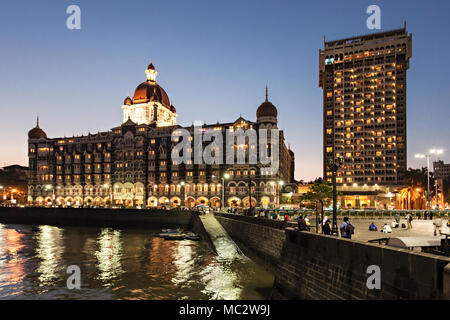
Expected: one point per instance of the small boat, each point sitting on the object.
(177, 234)
(179, 230)
(174, 236)
(192, 236)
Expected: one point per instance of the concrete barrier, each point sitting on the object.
(315, 266)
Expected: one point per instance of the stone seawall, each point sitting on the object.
(129, 218)
(315, 266)
(264, 238)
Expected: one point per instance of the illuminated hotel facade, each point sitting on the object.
(131, 164)
(364, 114)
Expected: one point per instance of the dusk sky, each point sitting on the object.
(214, 59)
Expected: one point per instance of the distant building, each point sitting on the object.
(441, 170)
(131, 165)
(20, 171)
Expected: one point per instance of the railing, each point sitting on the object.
(370, 213)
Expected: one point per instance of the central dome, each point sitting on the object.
(151, 91)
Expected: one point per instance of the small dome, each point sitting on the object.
(267, 109)
(128, 101)
(151, 66)
(172, 108)
(37, 133)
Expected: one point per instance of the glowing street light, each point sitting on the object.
(182, 183)
(427, 156)
(225, 176)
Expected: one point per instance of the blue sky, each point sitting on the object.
(214, 59)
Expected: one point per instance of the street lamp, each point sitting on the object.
(280, 185)
(50, 187)
(225, 176)
(334, 167)
(184, 193)
(106, 186)
(427, 156)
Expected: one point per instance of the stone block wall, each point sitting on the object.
(314, 266)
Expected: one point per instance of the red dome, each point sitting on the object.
(149, 90)
(128, 101)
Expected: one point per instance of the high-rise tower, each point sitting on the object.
(364, 107)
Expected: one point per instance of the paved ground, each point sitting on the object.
(421, 228)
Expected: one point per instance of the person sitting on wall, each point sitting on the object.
(373, 227)
(394, 224)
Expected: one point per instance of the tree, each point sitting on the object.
(320, 190)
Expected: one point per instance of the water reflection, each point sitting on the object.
(11, 268)
(119, 264)
(184, 262)
(109, 255)
(50, 248)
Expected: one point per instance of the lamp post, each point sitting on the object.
(225, 176)
(105, 186)
(427, 156)
(436, 193)
(280, 185)
(334, 167)
(184, 192)
(51, 187)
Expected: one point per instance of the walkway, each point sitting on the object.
(226, 248)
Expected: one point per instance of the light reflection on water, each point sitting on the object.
(49, 253)
(119, 264)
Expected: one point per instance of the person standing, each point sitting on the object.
(437, 226)
(347, 229)
(302, 224)
(409, 219)
(397, 219)
(327, 228)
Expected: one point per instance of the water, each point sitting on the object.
(120, 264)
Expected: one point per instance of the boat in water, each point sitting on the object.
(177, 234)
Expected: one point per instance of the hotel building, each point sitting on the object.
(131, 164)
(364, 114)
